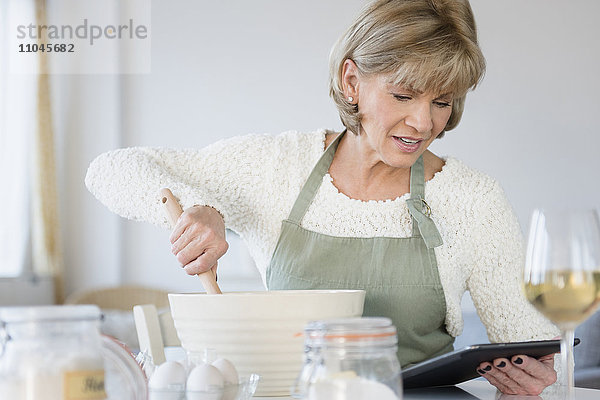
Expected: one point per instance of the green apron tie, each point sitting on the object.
(426, 226)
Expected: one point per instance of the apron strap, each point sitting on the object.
(310, 188)
(419, 210)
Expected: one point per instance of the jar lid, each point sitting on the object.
(49, 313)
(351, 331)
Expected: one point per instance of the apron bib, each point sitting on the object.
(400, 275)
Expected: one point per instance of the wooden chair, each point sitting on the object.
(120, 297)
(155, 331)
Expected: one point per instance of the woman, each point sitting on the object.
(369, 208)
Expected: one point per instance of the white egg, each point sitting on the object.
(170, 374)
(207, 379)
(228, 370)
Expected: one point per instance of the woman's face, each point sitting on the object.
(399, 124)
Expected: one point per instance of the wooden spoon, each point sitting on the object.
(174, 210)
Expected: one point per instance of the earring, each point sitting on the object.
(350, 99)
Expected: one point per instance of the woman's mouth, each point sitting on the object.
(407, 144)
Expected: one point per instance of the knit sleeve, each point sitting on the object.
(495, 281)
(227, 175)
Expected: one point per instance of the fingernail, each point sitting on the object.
(481, 371)
(501, 364)
(488, 368)
(518, 361)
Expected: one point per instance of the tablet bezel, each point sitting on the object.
(461, 365)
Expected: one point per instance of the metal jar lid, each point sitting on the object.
(353, 332)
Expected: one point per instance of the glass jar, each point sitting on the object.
(350, 358)
(51, 353)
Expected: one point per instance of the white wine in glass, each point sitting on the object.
(562, 273)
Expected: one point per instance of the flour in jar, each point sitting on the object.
(350, 389)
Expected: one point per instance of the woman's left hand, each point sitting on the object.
(521, 375)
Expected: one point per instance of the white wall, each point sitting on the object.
(226, 68)
(532, 122)
(87, 123)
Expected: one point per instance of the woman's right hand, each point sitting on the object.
(198, 239)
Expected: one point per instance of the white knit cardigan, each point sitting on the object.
(254, 180)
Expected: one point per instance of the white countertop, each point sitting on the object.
(475, 389)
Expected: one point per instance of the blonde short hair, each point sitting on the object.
(425, 45)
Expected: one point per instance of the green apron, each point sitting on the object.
(400, 275)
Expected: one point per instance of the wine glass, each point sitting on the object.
(562, 273)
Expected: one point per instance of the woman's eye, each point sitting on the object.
(442, 104)
(401, 97)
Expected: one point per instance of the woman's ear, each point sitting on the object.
(350, 81)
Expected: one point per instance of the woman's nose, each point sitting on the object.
(420, 117)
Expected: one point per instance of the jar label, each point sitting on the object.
(84, 385)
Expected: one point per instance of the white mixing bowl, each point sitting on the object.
(260, 332)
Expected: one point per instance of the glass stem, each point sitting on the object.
(566, 355)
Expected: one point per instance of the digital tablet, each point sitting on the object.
(461, 365)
